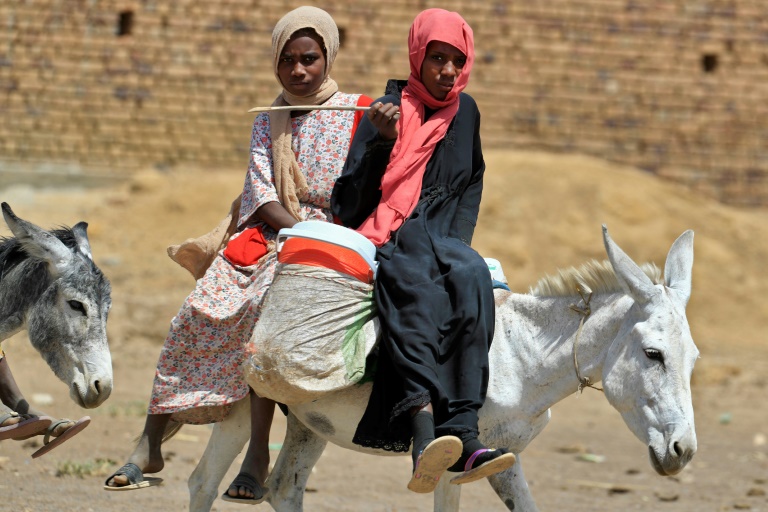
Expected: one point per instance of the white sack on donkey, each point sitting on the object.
(318, 324)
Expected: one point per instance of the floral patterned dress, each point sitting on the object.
(199, 373)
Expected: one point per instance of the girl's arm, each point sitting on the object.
(274, 215)
(260, 200)
(357, 191)
(469, 204)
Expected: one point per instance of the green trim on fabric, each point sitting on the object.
(371, 365)
(353, 345)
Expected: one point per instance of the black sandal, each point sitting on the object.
(490, 467)
(250, 483)
(136, 479)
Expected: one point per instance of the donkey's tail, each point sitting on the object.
(171, 429)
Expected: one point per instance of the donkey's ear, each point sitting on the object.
(631, 277)
(37, 242)
(679, 265)
(81, 236)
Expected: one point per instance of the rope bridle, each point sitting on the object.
(584, 311)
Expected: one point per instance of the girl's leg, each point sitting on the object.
(11, 396)
(423, 426)
(256, 462)
(147, 455)
(431, 457)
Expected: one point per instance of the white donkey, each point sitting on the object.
(612, 322)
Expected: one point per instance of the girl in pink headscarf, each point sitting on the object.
(412, 184)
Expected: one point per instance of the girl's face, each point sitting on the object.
(442, 65)
(301, 66)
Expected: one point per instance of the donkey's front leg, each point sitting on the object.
(301, 450)
(511, 487)
(226, 441)
(447, 496)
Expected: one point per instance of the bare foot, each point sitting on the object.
(239, 489)
(255, 465)
(62, 427)
(245, 487)
(147, 455)
(19, 426)
(11, 417)
(59, 428)
(143, 457)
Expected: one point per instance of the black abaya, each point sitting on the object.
(433, 291)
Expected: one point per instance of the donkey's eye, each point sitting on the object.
(77, 306)
(654, 355)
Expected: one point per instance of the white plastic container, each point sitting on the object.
(334, 234)
(494, 267)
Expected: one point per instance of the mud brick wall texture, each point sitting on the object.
(676, 87)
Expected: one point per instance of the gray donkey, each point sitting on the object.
(50, 286)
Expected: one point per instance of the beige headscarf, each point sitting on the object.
(197, 254)
(289, 181)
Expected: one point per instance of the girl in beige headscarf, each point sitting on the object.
(296, 157)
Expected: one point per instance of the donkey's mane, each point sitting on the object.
(592, 277)
(12, 253)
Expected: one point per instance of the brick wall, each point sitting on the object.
(677, 87)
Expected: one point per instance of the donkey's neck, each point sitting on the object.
(534, 343)
(22, 282)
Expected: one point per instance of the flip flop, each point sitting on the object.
(135, 477)
(28, 427)
(49, 445)
(246, 480)
(433, 460)
(489, 468)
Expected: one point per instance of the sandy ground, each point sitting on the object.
(540, 212)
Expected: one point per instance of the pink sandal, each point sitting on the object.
(433, 461)
(493, 466)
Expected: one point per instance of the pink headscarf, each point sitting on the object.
(416, 140)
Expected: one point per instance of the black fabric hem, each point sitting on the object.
(397, 437)
(417, 400)
(379, 444)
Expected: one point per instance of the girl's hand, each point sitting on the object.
(384, 117)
